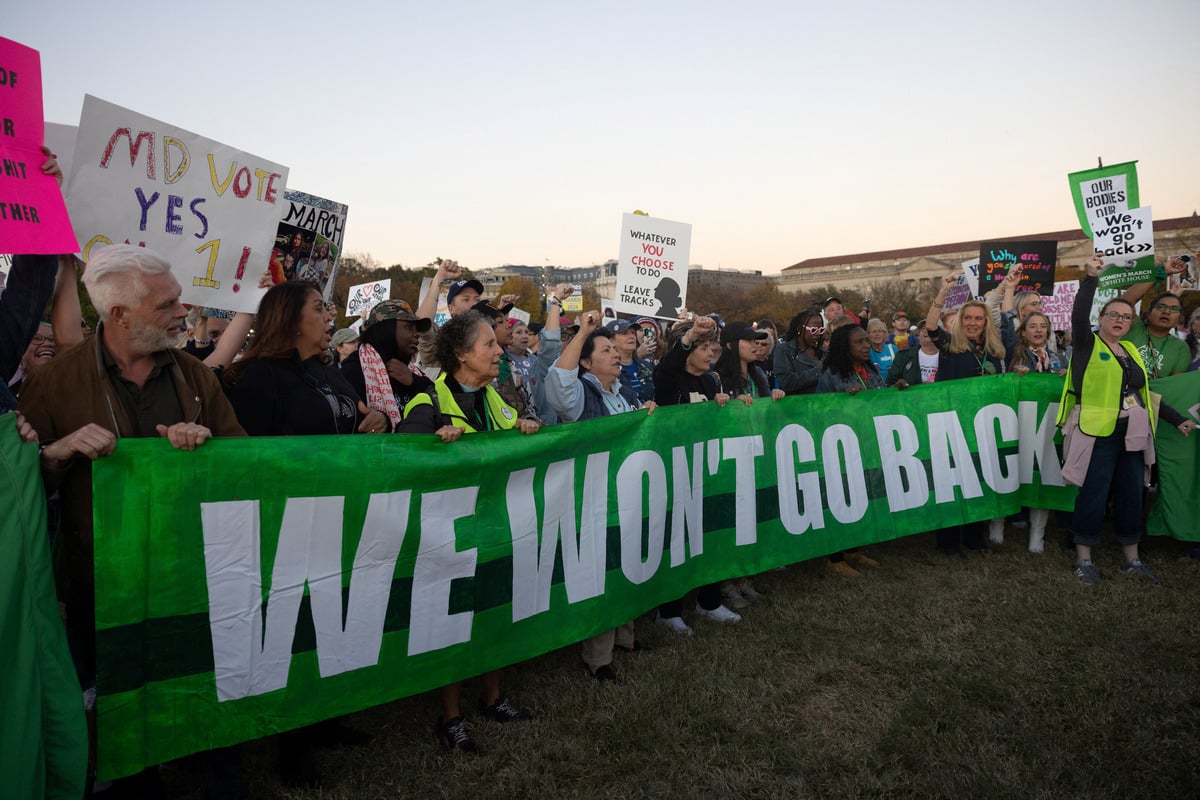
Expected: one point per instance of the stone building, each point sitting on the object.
(922, 268)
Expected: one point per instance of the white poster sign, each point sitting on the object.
(209, 209)
(1058, 305)
(574, 301)
(971, 272)
(1103, 198)
(1125, 237)
(442, 315)
(652, 270)
(365, 296)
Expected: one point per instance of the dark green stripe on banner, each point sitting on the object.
(175, 647)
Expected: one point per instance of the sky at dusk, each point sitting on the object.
(518, 133)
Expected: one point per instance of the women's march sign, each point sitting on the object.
(209, 209)
(33, 216)
(1102, 192)
(652, 270)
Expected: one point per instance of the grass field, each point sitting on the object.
(998, 676)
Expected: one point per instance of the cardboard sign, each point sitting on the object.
(33, 216)
(209, 209)
(1037, 260)
(1058, 305)
(365, 296)
(1126, 240)
(308, 242)
(574, 301)
(652, 271)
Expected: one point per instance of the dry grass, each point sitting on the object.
(993, 677)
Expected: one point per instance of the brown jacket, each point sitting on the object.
(73, 390)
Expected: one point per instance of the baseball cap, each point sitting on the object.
(395, 309)
(458, 286)
(617, 325)
(490, 311)
(736, 331)
(343, 335)
(899, 315)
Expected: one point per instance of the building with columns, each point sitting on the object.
(922, 268)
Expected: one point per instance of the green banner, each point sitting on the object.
(1176, 510)
(257, 585)
(1101, 191)
(43, 735)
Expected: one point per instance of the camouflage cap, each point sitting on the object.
(395, 309)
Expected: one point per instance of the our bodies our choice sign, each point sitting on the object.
(652, 269)
(209, 209)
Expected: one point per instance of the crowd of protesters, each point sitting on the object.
(154, 368)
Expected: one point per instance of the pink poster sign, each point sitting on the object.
(33, 216)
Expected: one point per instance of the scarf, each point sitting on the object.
(379, 385)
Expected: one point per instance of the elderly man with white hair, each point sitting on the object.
(128, 381)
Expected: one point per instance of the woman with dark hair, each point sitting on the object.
(798, 356)
(849, 369)
(684, 375)
(379, 369)
(972, 349)
(286, 385)
(1108, 429)
(739, 375)
(463, 400)
(585, 383)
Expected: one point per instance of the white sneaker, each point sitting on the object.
(732, 597)
(719, 614)
(996, 531)
(674, 624)
(747, 590)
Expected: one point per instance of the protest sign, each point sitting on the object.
(652, 270)
(511, 547)
(958, 296)
(1103, 192)
(1126, 241)
(1058, 306)
(207, 208)
(61, 141)
(971, 271)
(516, 313)
(33, 216)
(1037, 260)
(364, 296)
(1189, 279)
(1102, 296)
(5, 266)
(574, 301)
(442, 315)
(308, 242)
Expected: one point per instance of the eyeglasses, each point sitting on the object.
(1167, 308)
(1115, 317)
(815, 331)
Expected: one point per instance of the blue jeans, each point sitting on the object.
(1115, 469)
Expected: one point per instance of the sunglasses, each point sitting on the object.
(815, 331)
